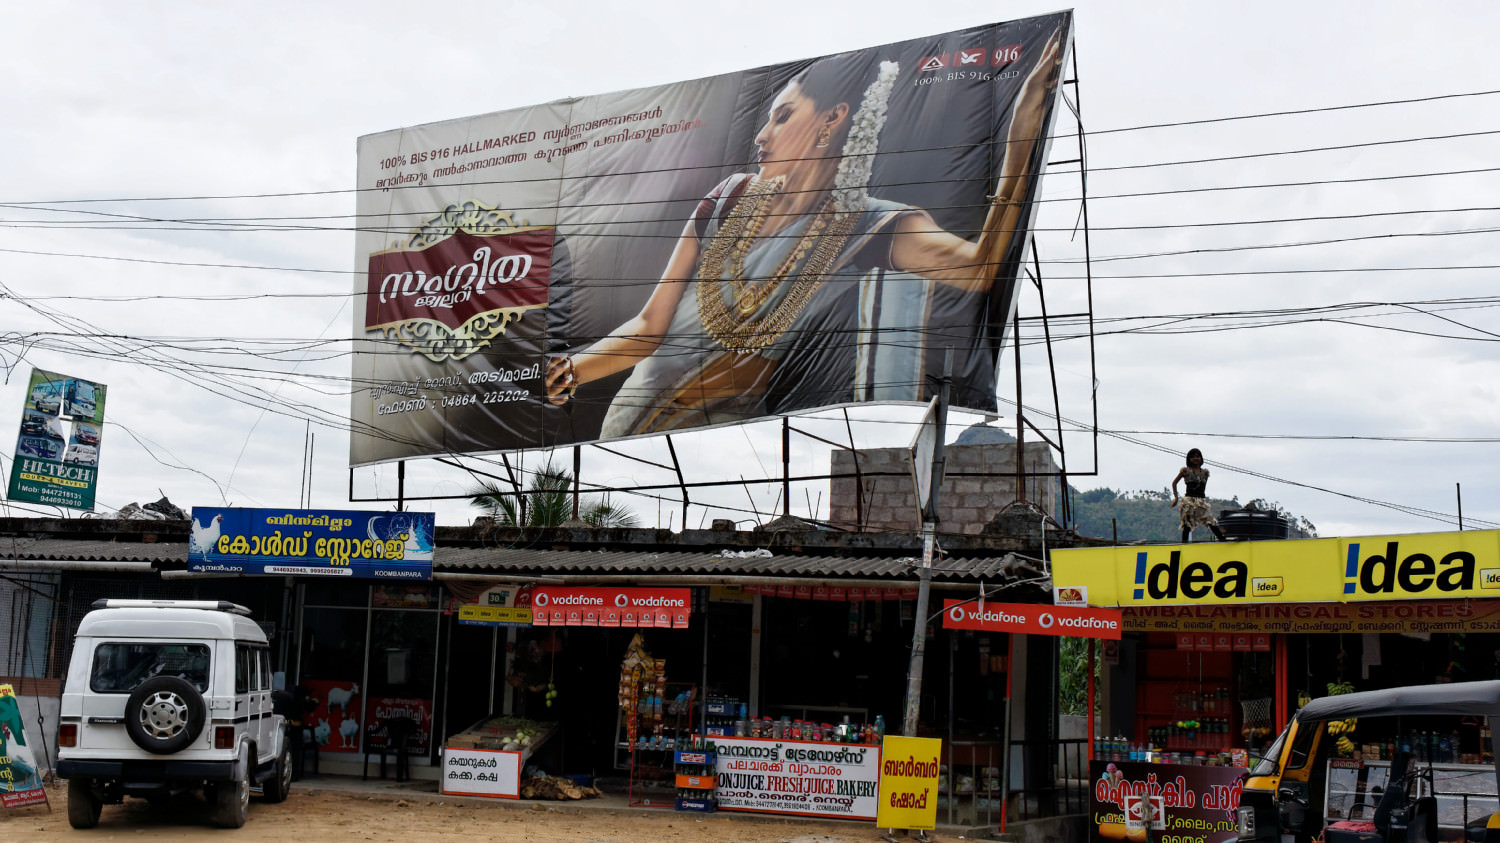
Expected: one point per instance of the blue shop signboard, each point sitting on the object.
(301, 542)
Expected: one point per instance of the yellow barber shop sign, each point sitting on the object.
(908, 793)
(1418, 566)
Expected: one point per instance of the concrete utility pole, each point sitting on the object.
(929, 542)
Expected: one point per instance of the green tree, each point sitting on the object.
(547, 502)
(1073, 675)
(1147, 515)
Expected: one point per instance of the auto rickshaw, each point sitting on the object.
(1283, 794)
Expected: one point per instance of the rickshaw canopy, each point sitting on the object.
(1459, 698)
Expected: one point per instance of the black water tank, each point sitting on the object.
(1252, 524)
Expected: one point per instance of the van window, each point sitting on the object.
(120, 668)
(241, 669)
(264, 657)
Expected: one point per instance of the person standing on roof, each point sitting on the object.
(1194, 511)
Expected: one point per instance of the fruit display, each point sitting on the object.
(513, 734)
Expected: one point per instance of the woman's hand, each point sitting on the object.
(561, 380)
(1031, 106)
(1174, 502)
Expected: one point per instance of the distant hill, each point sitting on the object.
(1148, 515)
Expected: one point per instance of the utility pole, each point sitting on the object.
(929, 542)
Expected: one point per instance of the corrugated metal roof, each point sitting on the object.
(90, 550)
(523, 562)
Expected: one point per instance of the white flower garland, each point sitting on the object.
(851, 183)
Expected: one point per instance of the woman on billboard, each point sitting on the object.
(756, 311)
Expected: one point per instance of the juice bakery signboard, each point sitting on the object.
(1186, 804)
(797, 777)
(280, 542)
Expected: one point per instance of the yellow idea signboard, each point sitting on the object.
(908, 782)
(1408, 567)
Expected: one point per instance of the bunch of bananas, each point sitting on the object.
(1342, 727)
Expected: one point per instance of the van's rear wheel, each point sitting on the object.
(280, 783)
(232, 798)
(83, 804)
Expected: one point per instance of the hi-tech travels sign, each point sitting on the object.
(57, 451)
(1370, 568)
(703, 252)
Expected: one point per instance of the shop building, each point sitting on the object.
(1223, 642)
(810, 626)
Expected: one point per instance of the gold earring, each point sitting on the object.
(825, 135)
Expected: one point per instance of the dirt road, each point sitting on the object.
(314, 815)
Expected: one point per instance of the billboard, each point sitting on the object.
(797, 236)
(301, 542)
(57, 451)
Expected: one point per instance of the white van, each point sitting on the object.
(168, 696)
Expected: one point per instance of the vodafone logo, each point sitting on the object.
(541, 599)
(1032, 619)
(621, 601)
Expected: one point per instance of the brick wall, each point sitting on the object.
(965, 503)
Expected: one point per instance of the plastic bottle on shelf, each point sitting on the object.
(879, 727)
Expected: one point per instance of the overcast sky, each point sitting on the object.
(1314, 307)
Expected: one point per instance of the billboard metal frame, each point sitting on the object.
(1056, 439)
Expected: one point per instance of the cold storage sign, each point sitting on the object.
(299, 542)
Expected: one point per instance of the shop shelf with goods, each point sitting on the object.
(696, 779)
(656, 719)
(1186, 702)
(724, 717)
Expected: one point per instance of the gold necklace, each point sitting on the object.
(824, 238)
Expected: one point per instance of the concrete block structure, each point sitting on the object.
(877, 493)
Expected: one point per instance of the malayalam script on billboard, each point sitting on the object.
(798, 236)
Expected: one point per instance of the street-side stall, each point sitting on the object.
(487, 758)
(1223, 642)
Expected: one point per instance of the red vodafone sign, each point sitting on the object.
(667, 608)
(1032, 619)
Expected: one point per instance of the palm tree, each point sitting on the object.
(548, 502)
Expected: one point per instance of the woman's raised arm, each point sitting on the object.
(637, 337)
(921, 247)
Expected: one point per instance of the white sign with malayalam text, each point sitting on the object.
(481, 772)
(798, 777)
